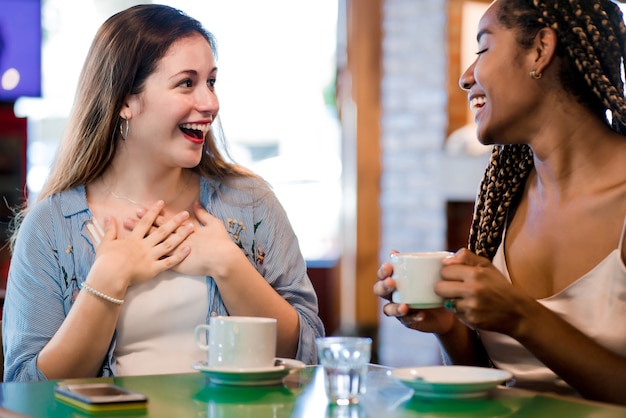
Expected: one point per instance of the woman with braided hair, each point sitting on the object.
(541, 289)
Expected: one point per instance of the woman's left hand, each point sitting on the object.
(479, 294)
(212, 249)
(436, 321)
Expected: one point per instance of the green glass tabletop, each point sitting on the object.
(302, 395)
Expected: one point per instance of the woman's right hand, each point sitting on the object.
(437, 320)
(146, 251)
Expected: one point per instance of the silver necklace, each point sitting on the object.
(134, 202)
(128, 199)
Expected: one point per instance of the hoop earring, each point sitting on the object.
(124, 129)
(535, 75)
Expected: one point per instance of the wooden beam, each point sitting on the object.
(359, 101)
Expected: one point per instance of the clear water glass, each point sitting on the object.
(345, 411)
(345, 361)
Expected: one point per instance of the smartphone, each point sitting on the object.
(100, 396)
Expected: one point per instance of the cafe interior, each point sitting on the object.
(348, 203)
(367, 139)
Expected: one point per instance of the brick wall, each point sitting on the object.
(413, 130)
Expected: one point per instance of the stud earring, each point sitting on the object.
(124, 127)
(535, 75)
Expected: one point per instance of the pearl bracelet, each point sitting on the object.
(100, 294)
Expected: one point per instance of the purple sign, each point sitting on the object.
(20, 49)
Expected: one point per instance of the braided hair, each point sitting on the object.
(592, 48)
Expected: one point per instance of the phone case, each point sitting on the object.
(100, 397)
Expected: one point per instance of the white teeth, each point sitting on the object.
(204, 127)
(477, 102)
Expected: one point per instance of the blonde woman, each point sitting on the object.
(143, 229)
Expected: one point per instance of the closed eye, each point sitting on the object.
(481, 51)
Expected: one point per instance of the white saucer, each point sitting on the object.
(249, 377)
(458, 382)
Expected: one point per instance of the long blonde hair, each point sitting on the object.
(124, 52)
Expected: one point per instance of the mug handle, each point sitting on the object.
(196, 335)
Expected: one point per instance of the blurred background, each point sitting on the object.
(343, 106)
(275, 85)
(350, 108)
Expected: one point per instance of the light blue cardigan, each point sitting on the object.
(53, 255)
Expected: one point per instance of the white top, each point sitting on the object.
(595, 304)
(156, 325)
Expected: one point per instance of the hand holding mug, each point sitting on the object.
(408, 281)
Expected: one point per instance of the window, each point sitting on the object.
(276, 64)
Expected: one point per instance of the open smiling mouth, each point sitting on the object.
(477, 102)
(195, 130)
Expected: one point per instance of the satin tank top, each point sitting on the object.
(595, 304)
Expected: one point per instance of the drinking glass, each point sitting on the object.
(345, 361)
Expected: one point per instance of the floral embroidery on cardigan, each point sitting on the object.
(235, 229)
(69, 251)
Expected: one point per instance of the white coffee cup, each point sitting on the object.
(415, 275)
(238, 342)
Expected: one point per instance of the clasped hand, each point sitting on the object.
(210, 249)
(147, 250)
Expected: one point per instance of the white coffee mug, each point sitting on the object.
(415, 275)
(238, 342)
